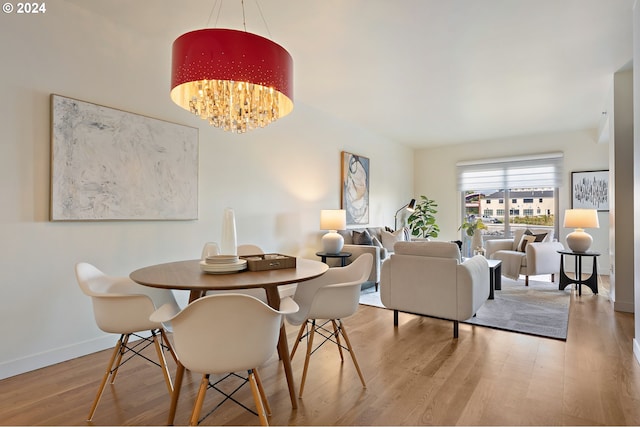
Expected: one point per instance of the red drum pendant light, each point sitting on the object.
(236, 80)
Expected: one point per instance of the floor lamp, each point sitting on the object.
(409, 206)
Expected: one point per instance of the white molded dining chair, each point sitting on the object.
(121, 306)
(226, 334)
(332, 297)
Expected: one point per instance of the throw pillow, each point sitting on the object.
(376, 242)
(362, 238)
(539, 237)
(517, 237)
(526, 238)
(390, 239)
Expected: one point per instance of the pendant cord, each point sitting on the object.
(263, 20)
(244, 17)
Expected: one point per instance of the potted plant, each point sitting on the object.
(422, 221)
(472, 229)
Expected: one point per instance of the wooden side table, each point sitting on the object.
(342, 255)
(591, 281)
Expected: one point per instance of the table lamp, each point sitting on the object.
(579, 240)
(333, 220)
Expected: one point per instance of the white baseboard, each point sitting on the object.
(625, 307)
(636, 350)
(52, 357)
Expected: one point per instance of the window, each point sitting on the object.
(526, 188)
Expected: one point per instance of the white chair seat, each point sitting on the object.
(226, 333)
(121, 306)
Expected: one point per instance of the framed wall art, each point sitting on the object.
(355, 188)
(108, 164)
(590, 190)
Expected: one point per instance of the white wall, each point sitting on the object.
(621, 215)
(277, 179)
(435, 175)
(636, 175)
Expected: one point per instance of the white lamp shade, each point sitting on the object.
(579, 241)
(581, 218)
(333, 219)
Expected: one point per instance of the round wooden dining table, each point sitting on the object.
(187, 275)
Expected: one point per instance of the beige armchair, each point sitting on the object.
(428, 278)
(536, 259)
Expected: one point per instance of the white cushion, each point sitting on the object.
(429, 249)
(389, 239)
(524, 240)
(517, 237)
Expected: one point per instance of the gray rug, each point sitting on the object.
(539, 309)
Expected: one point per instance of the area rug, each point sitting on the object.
(539, 309)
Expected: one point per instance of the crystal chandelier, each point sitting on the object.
(236, 80)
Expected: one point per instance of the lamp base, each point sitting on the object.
(332, 242)
(579, 241)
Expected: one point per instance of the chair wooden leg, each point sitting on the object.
(162, 361)
(353, 354)
(263, 395)
(124, 341)
(167, 343)
(103, 383)
(295, 345)
(197, 407)
(176, 393)
(336, 334)
(257, 399)
(306, 360)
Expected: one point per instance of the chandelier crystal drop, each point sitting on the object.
(235, 106)
(236, 80)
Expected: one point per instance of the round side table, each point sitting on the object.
(591, 282)
(342, 255)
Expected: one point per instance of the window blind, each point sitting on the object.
(543, 170)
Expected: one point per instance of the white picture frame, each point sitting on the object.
(108, 164)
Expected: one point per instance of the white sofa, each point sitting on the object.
(429, 278)
(537, 257)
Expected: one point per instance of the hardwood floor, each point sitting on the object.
(416, 375)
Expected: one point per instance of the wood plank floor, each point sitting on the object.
(416, 375)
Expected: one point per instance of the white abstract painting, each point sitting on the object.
(108, 164)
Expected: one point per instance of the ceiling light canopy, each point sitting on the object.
(236, 80)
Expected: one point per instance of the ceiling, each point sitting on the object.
(425, 72)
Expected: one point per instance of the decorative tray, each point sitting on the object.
(264, 262)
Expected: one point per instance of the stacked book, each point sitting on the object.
(222, 264)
